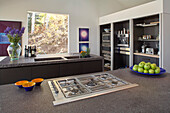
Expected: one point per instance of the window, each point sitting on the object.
(49, 32)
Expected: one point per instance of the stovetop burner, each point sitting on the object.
(85, 86)
(91, 83)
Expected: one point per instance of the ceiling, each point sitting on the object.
(111, 6)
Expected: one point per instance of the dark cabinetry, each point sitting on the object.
(138, 59)
(45, 71)
(90, 67)
(11, 75)
(105, 45)
(70, 69)
(146, 39)
(121, 44)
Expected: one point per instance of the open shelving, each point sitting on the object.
(105, 46)
(142, 27)
(121, 45)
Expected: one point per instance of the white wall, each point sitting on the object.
(81, 13)
(111, 6)
(151, 8)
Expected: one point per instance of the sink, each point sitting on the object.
(72, 57)
(48, 59)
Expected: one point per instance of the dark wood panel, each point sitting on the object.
(93, 66)
(138, 59)
(11, 75)
(70, 69)
(45, 71)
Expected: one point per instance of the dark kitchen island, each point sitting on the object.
(151, 96)
(48, 66)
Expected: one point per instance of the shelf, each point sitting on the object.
(106, 41)
(107, 59)
(147, 55)
(106, 45)
(149, 40)
(106, 52)
(105, 34)
(124, 45)
(147, 25)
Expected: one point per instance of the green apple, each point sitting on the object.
(140, 69)
(147, 66)
(153, 66)
(149, 63)
(157, 71)
(157, 67)
(135, 65)
(135, 68)
(151, 71)
(141, 64)
(146, 71)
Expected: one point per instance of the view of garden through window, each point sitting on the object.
(49, 32)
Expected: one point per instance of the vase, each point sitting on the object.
(14, 51)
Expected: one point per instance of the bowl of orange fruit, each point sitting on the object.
(38, 81)
(28, 86)
(20, 83)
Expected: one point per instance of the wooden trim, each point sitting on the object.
(147, 55)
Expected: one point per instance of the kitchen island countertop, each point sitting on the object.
(26, 61)
(151, 96)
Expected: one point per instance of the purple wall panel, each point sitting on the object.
(4, 41)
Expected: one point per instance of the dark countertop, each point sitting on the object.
(151, 96)
(6, 63)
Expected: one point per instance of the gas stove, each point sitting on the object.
(69, 89)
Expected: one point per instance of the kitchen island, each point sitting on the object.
(48, 66)
(151, 96)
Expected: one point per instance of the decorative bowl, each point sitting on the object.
(38, 81)
(161, 71)
(20, 83)
(28, 86)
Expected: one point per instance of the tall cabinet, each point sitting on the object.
(146, 39)
(105, 45)
(121, 44)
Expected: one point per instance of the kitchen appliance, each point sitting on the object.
(150, 51)
(143, 47)
(73, 88)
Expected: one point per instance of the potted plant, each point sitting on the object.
(85, 54)
(14, 35)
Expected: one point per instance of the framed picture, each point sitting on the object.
(83, 34)
(83, 46)
(83, 39)
(4, 42)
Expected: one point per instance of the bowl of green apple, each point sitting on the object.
(147, 69)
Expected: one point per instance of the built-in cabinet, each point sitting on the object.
(146, 38)
(137, 39)
(105, 45)
(121, 43)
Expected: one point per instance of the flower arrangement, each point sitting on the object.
(84, 54)
(14, 36)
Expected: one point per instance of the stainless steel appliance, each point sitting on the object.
(69, 89)
(150, 51)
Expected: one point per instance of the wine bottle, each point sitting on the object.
(26, 51)
(29, 51)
